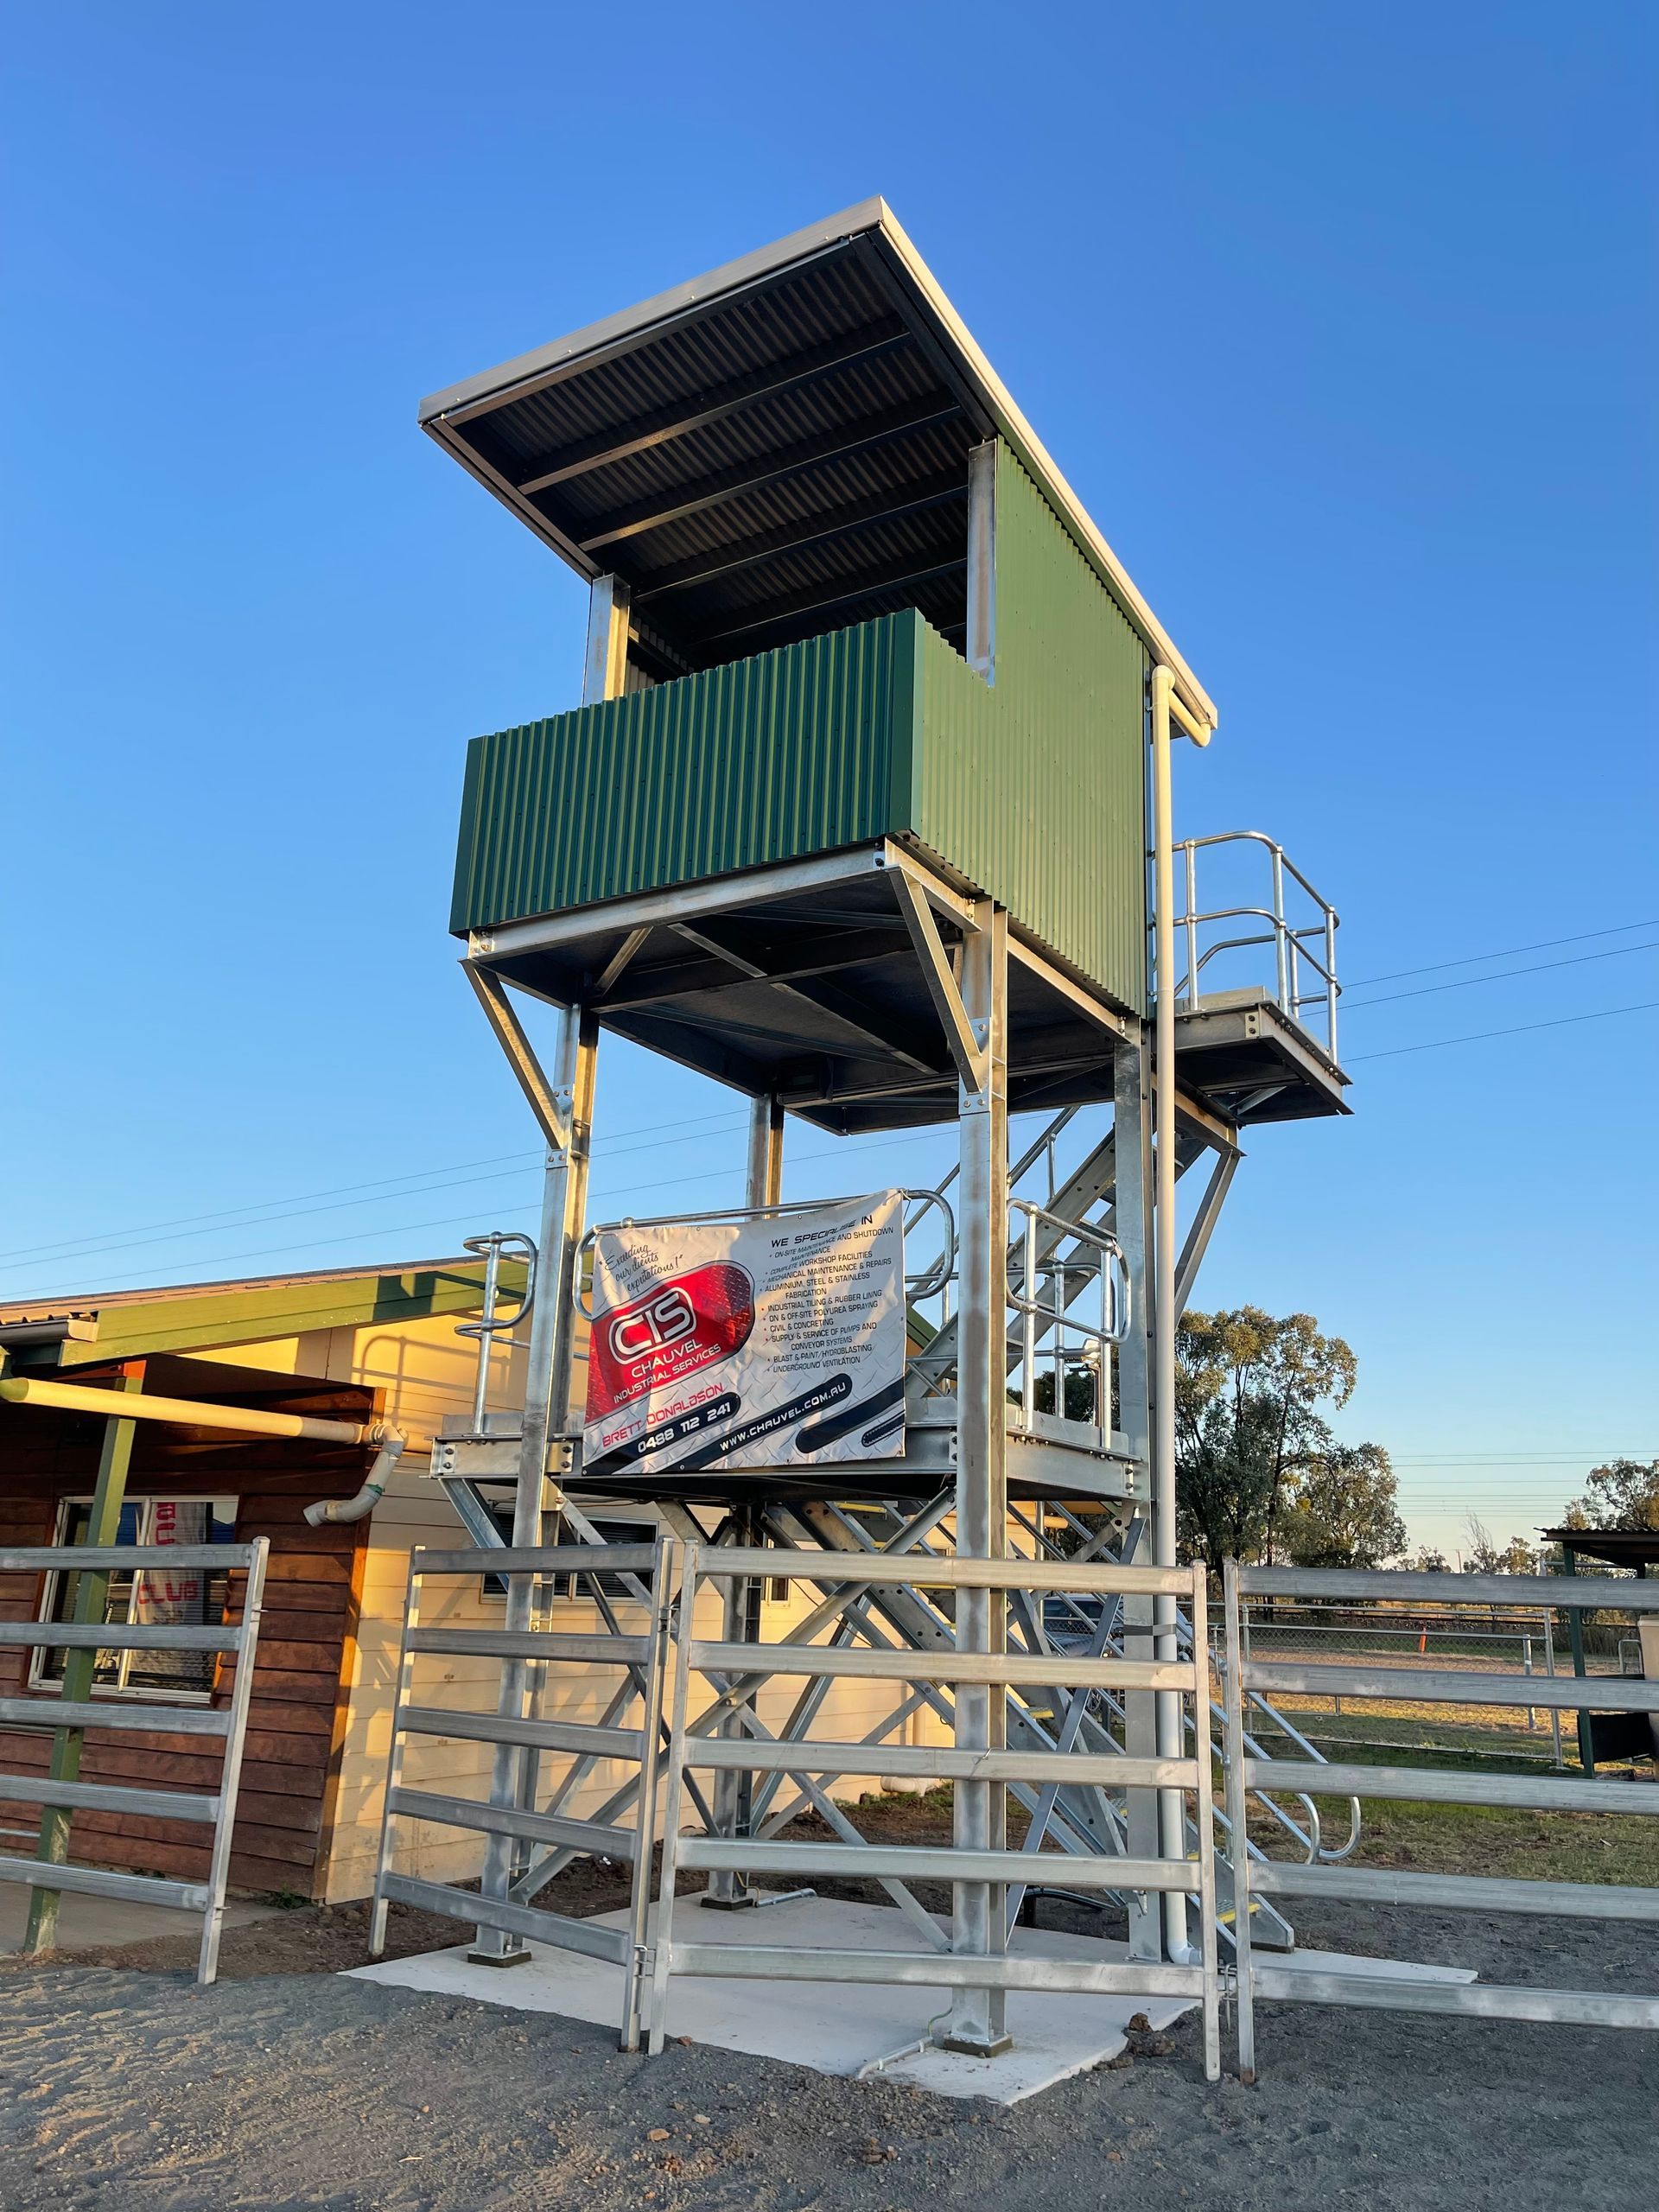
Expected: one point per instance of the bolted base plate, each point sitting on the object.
(970, 2047)
(499, 1958)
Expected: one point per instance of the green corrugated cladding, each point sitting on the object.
(1031, 790)
(795, 751)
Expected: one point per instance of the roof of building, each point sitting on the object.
(776, 447)
(180, 1317)
(1629, 1547)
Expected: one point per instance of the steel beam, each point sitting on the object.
(979, 1809)
(980, 653)
(678, 419)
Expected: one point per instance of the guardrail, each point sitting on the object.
(510, 1818)
(1304, 954)
(1049, 1282)
(1548, 1792)
(735, 1672)
(64, 1717)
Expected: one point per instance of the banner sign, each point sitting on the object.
(775, 1342)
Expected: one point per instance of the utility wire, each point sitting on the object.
(193, 1225)
(410, 1228)
(232, 1216)
(1468, 983)
(1509, 952)
(1642, 1006)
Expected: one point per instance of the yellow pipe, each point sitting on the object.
(135, 1405)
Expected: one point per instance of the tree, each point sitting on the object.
(1430, 1559)
(1248, 1393)
(1625, 1494)
(1345, 1510)
(1488, 1557)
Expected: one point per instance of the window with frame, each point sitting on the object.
(155, 1596)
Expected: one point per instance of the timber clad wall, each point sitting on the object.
(291, 1752)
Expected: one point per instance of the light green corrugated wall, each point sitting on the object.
(1034, 788)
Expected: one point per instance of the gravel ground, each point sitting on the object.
(120, 2088)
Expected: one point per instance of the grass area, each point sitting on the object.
(1617, 1847)
(1495, 1840)
(1492, 1730)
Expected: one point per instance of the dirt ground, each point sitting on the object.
(121, 2088)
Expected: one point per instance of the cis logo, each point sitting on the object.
(673, 1329)
(665, 1321)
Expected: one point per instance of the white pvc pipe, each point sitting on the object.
(1166, 710)
(374, 1483)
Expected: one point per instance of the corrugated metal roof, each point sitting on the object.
(796, 423)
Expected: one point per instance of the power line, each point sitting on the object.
(1477, 1036)
(1509, 952)
(412, 1228)
(283, 1209)
(1468, 983)
(191, 1226)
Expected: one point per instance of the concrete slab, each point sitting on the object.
(835, 2028)
(850, 2028)
(84, 1922)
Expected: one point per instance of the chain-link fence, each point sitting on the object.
(1520, 1641)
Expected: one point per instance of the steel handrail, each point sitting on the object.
(1289, 940)
(1260, 837)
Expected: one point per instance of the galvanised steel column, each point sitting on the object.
(979, 1910)
(734, 1792)
(1132, 1225)
(547, 1392)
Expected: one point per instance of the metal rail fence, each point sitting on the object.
(513, 1819)
(735, 1674)
(1512, 1641)
(67, 1721)
(1246, 1675)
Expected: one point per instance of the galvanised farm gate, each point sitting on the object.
(866, 813)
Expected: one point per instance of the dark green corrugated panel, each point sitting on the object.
(796, 751)
(1033, 788)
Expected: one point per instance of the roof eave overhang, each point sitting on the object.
(982, 392)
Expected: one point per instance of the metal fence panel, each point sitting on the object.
(734, 1671)
(153, 1717)
(511, 1811)
(1467, 1686)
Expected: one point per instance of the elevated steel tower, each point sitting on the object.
(867, 814)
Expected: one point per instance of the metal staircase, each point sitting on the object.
(1078, 1495)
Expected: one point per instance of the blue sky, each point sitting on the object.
(1342, 323)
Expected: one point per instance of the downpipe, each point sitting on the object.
(1168, 713)
(392, 1442)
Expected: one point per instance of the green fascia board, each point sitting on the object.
(252, 1313)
